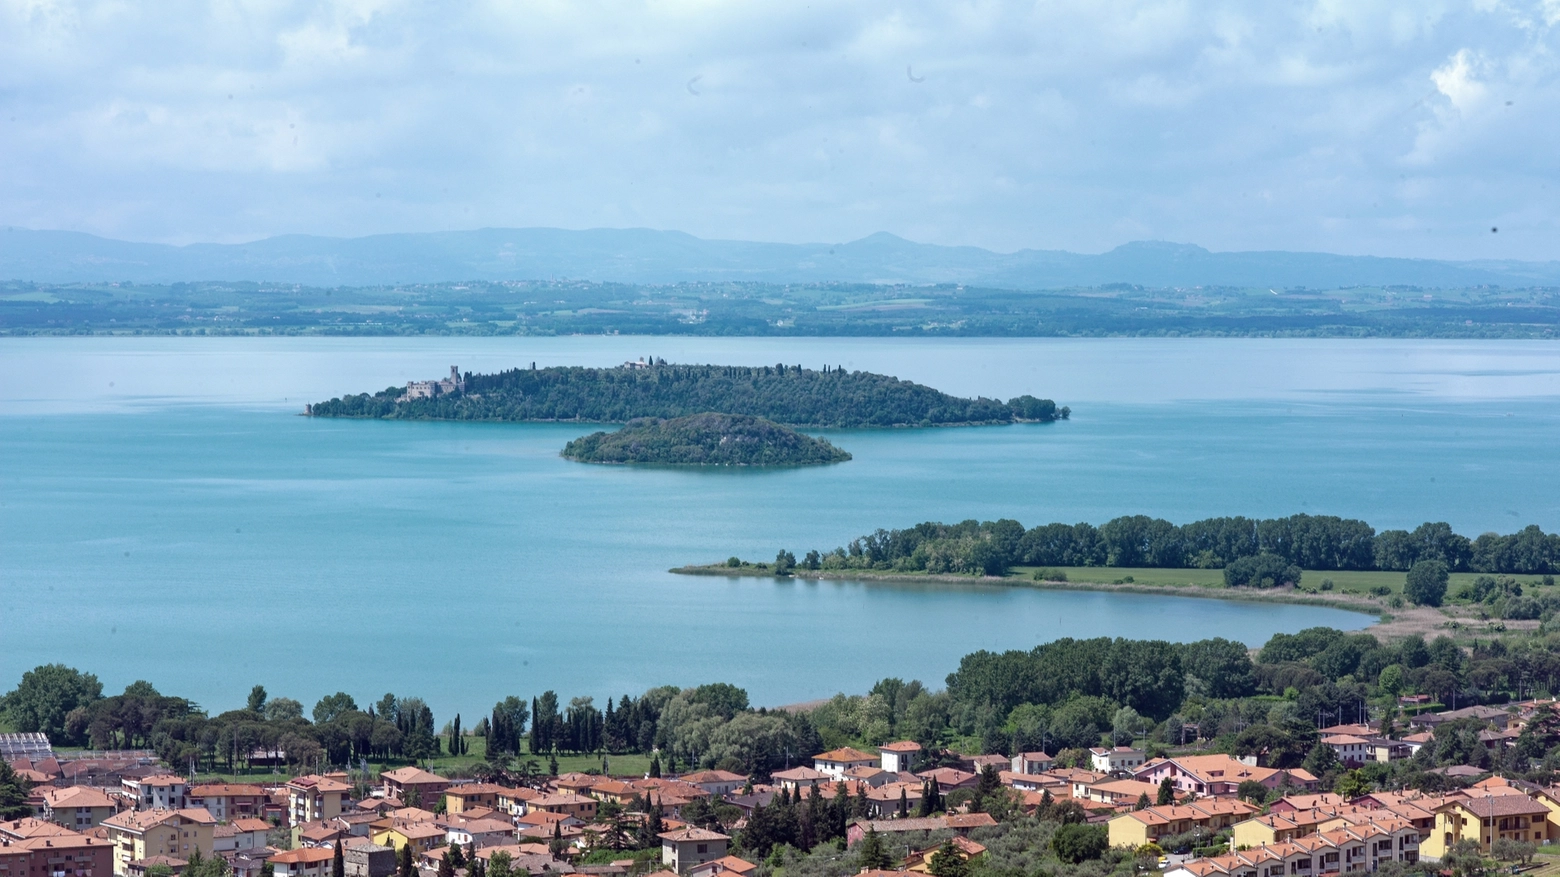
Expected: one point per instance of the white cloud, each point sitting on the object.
(1456, 79)
(1059, 123)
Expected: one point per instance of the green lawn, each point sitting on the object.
(1344, 581)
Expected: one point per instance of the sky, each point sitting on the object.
(1423, 128)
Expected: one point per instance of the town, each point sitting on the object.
(902, 809)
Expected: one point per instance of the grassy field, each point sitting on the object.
(1344, 581)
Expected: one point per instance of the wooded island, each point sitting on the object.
(704, 440)
(785, 394)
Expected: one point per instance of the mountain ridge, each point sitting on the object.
(652, 256)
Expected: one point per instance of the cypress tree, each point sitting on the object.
(338, 865)
(404, 867)
(904, 803)
(872, 855)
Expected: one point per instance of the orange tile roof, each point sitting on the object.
(845, 754)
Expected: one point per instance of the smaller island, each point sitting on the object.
(704, 440)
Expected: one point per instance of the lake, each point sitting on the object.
(165, 515)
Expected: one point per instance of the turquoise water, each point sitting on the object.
(163, 515)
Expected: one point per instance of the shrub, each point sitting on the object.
(1080, 843)
(1261, 571)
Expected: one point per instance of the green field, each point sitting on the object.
(461, 765)
(1356, 582)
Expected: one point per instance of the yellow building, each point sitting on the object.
(77, 807)
(1143, 826)
(1486, 819)
(423, 836)
(458, 799)
(138, 835)
(314, 799)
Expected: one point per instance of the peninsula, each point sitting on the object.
(705, 440)
(785, 394)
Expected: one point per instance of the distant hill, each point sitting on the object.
(705, 440)
(638, 255)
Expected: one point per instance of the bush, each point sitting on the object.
(1327, 584)
(1050, 575)
(1261, 571)
(1381, 590)
(1080, 843)
(1426, 582)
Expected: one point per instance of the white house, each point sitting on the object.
(900, 757)
(1120, 758)
(836, 761)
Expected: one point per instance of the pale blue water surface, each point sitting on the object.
(164, 515)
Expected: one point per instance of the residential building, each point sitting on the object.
(1115, 792)
(1351, 750)
(578, 806)
(368, 860)
(900, 757)
(1220, 774)
(304, 862)
(158, 791)
(228, 800)
(836, 761)
(414, 785)
(458, 799)
(63, 855)
(870, 776)
(482, 832)
(423, 836)
(1150, 824)
(1486, 819)
(800, 778)
(685, 848)
(77, 807)
(140, 835)
(730, 865)
(716, 782)
(314, 798)
(1120, 758)
(920, 861)
(949, 778)
(241, 835)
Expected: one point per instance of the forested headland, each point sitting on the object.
(830, 397)
(705, 440)
(1254, 552)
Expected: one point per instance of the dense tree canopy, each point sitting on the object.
(704, 440)
(786, 394)
(1252, 552)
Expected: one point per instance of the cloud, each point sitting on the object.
(1355, 126)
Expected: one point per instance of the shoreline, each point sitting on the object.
(1390, 624)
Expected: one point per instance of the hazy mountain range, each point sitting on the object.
(638, 255)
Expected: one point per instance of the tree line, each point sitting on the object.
(1060, 697)
(1272, 548)
(830, 397)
